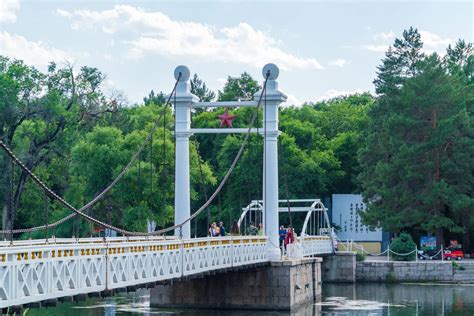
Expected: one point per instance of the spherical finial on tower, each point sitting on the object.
(185, 73)
(273, 71)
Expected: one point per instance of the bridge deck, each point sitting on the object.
(33, 271)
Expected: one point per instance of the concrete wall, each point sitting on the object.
(339, 268)
(421, 271)
(373, 271)
(282, 285)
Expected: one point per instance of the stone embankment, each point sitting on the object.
(343, 268)
(421, 271)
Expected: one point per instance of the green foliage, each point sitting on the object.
(199, 89)
(360, 256)
(409, 150)
(239, 88)
(313, 160)
(403, 244)
(152, 98)
(457, 266)
(135, 218)
(147, 189)
(41, 115)
(416, 165)
(317, 146)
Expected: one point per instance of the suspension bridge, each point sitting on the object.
(36, 271)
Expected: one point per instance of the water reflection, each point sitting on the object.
(338, 299)
(397, 299)
(138, 304)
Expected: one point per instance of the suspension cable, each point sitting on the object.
(46, 210)
(11, 199)
(229, 171)
(100, 195)
(151, 173)
(163, 174)
(112, 184)
(203, 187)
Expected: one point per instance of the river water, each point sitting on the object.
(337, 299)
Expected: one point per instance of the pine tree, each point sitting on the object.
(239, 88)
(399, 63)
(417, 162)
(199, 89)
(152, 98)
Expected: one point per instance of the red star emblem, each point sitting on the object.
(226, 119)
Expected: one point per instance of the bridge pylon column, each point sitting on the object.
(270, 103)
(182, 198)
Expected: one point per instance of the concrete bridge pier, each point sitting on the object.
(278, 285)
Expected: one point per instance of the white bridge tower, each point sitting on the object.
(270, 102)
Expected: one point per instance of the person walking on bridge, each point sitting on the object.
(282, 233)
(222, 230)
(290, 237)
(213, 230)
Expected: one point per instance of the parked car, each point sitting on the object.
(429, 255)
(453, 254)
(454, 251)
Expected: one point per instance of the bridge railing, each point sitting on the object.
(37, 272)
(54, 240)
(306, 246)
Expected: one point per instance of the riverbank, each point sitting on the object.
(421, 271)
(343, 268)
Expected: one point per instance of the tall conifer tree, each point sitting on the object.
(417, 162)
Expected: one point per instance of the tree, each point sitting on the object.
(460, 60)
(399, 62)
(239, 88)
(152, 98)
(403, 245)
(40, 110)
(418, 143)
(147, 189)
(199, 89)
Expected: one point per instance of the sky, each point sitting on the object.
(323, 48)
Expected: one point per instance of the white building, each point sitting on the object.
(346, 210)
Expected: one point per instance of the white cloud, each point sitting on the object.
(292, 100)
(33, 53)
(8, 9)
(156, 33)
(384, 35)
(332, 93)
(377, 48)
(107, 56)
(221, 81)
(433, 41)
(338, 62)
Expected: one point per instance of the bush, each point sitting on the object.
(360, 256)
(457, 266)
(403, 244)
